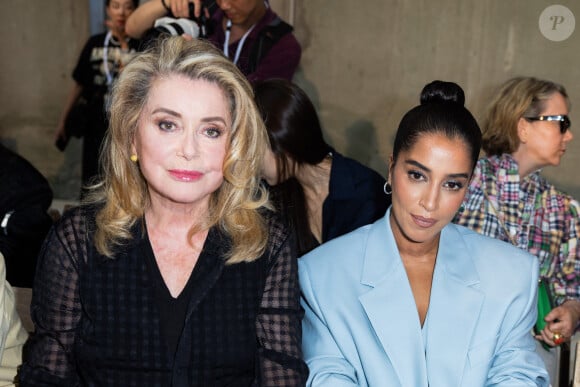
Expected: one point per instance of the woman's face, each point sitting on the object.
(542, 141)
(429, 182)
(118, 11)
(181, 140)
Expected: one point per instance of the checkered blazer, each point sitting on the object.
(538, 218)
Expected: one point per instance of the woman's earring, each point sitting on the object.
(387, 188)
(134, 158)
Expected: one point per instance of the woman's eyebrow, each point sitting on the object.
(427, 169)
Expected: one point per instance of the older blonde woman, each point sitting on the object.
(527, 129)
(174, 273)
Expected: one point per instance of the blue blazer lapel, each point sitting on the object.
(454, 310)
(390, 306)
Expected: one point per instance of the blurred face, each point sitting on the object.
(542, 141)
(181, 140)
(118, 11)
(242, 12)
(429, 182)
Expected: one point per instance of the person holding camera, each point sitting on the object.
(249, 33)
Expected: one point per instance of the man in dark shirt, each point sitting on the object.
(249, 33)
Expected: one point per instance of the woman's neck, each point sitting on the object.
(239, 29)
(525, 165)
(425, 252)
(315, 180)
(175, 216)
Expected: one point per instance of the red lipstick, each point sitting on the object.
(185, 175)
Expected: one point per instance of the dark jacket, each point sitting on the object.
(355, 198)
(25, 197)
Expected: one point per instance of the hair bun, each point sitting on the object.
(441, 91)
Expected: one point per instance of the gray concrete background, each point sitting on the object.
(363, 65)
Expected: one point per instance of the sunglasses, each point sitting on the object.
(564, 121)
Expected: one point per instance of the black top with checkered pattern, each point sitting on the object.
(97, 322)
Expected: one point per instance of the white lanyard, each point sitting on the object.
(240, 44)
(105, 58)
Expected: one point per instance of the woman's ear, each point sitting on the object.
(523, 130)
(390, 169)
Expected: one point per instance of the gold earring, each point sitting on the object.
(134, 158)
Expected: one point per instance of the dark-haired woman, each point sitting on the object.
(419, 301)
(527, 129)
(321, 193)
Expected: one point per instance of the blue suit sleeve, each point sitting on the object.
(327, 365)
(515, 362)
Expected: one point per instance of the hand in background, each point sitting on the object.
(561, 320)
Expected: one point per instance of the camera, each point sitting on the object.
(170, 26)
(174, 27)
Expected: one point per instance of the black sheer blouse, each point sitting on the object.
(98, 321)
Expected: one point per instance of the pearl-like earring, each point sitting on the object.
(134, 158)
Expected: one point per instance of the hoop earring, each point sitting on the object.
(387, 188)
(134, 158)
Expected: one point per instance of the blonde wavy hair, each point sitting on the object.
(518, 97)
(122, 194)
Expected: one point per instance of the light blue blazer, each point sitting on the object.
(361, 326)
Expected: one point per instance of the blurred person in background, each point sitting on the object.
(101, 60)
(25, 197)
(248, 32)
(321, 193)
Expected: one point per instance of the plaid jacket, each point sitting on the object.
(97, 322)
(538, 217)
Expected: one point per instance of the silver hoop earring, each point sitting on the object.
(387, 188)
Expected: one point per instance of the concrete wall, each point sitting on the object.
(364, 64)
(41, 41)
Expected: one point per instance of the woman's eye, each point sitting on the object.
(414, 175)
(453, 185)
(213, 132)
(166, 126)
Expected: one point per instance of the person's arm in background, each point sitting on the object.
(145, 15)
(566, 278)
(73, 95)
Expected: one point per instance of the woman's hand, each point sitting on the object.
(561, 323)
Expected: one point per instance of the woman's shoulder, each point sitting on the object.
(346, 169)
(276, 229)
(492, 251)
(556, 200)
(77, 222)
(341, 252)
